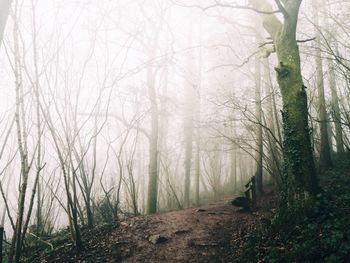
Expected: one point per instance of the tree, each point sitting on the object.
(153, 142)
(152, 46)
(272, 123)
(259, 130)
(190, 87)
(325, 151)
(22, 137)
(300, 173)
(4, 13)
(335, 108)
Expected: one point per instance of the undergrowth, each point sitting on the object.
(318, 233)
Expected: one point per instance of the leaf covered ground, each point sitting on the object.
(220, 233)
(214, 233)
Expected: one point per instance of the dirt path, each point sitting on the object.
(208, 234)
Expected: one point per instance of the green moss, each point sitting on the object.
(283, 71)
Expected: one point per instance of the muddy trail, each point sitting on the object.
(213, 233)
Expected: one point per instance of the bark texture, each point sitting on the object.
(300, 173)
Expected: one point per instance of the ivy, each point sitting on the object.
(317, 232)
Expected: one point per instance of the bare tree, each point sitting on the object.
(325, 151)
(259, 129)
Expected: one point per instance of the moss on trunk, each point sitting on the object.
(300, 173)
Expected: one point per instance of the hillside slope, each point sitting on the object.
(317, 231)
(208, 234)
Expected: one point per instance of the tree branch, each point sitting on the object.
(299, 41)
(218, 4)
(281, 8)
(271, 23)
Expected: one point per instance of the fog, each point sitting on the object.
(102, 101)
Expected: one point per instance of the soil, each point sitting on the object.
(213, 233)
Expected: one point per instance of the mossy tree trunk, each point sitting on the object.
(1, 241)
(300, 172)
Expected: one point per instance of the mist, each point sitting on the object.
(116, 109)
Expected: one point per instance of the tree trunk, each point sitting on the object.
(198, 116)
(198, 146)
(153, 146)
(16, 248)
(188, 130)
(300, 172)
(259, 132)
(233, 170)
(1, 240)
(335, 109)
(325, 152)
(197, 169)
(271, 118)
(233, 160)
(188, 161)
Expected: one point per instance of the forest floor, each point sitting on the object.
(213, 233)
(218, 232)
(317, 231)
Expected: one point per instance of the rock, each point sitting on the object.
(181, 231)
(157, 239)
(241, 202)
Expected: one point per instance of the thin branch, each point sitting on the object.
(298, 41)
(281, 8)
(218, 4)
(236, 66)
